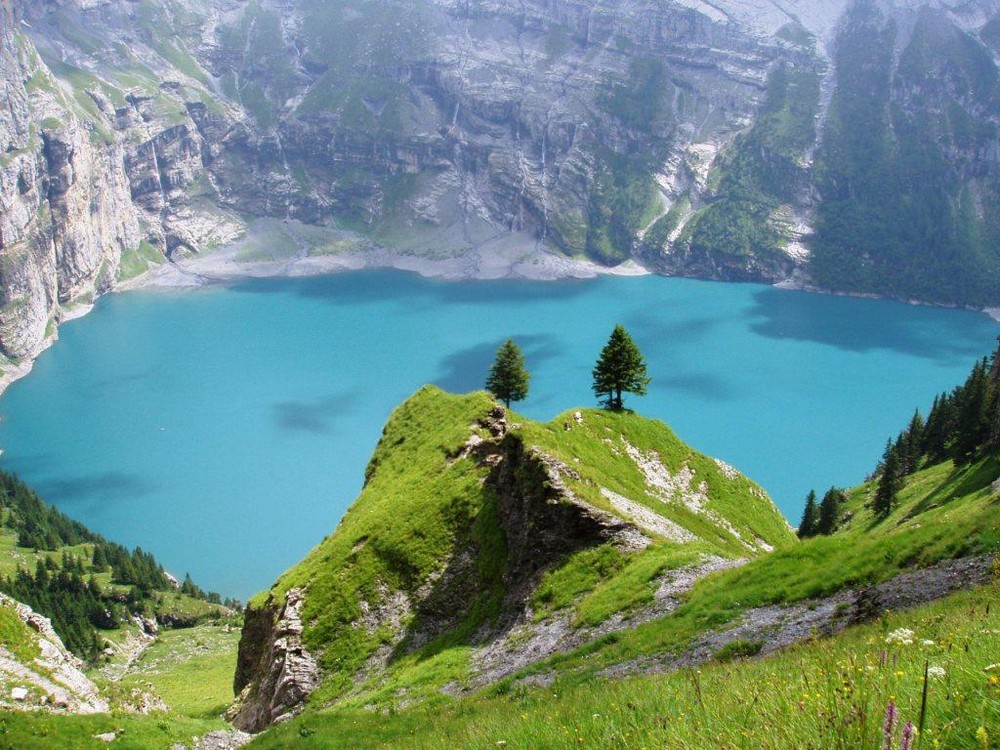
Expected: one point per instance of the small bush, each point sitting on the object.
(739, 649)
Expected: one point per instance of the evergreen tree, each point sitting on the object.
(888, 486)
(620, 369)
(939, 428)
(829, 511)
(913, 443)
(973, 427)
(508, 378)
(100, 560)
(807, 527)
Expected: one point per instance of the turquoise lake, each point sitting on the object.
(226, 429)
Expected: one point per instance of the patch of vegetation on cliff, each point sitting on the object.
(623, 200)
(762, 170)
(620, 451)
(264, 77)
(138, 261)
(17, 637)
(908, 206)
(419, 506)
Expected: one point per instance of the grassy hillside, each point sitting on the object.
(825, 693)
(421, 566)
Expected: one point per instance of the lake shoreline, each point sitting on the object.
(305, 251)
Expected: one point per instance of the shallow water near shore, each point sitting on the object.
(226, 429)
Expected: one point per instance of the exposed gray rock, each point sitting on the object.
(275, 673)
(52, 681)
(776, 626)
(526, 641)
(218, 741)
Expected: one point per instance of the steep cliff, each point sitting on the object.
(464, 518)
(100, 171)
(737, 139)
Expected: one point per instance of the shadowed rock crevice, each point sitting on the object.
(274, 673)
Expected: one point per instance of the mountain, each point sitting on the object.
(492, 560)
(483, 541)
(739, 139)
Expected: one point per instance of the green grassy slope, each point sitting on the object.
(825, 693)
(425, 504)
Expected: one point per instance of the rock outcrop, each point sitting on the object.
(91, 171)
(275, 673)
(52, 680)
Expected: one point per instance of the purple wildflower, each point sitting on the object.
(883, 658)
(889, 725)
(907, 742)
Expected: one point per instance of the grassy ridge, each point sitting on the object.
(403, 525)
(423, 504)
(827, 693)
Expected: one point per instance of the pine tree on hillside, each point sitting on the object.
(972, 426)
(829, 511)
(888, 486)
(620, 369)
(911, 444)
(807, 526)
(508, 377)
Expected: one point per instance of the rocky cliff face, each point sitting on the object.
(92, 172)
(40, 674)
(685, 134)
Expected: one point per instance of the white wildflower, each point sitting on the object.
(926, 643)
(901, 637)
(935, 672)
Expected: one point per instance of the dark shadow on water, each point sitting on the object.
(861, 325)
(466, 370)
(648, 328)
(122, 380)
(109, 485)
(313, 417)
(368, 287)
(704, 386)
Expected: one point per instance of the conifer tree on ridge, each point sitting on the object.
(508, 377)
(620, 369)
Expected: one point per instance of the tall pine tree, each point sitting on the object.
(508, 377)
(829, 511)
(807, 526)
(888, 485)
(620, 369)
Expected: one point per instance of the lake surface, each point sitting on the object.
(227, 429)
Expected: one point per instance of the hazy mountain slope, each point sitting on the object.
(909, 169)
(739, 139)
